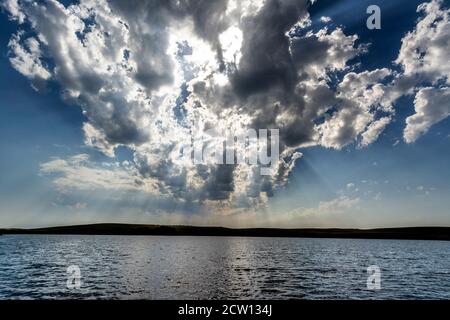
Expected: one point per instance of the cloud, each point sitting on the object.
(78, 172)
(362, 98)
(153, 76)
(321, 215)
(337, 205)
(374, 130)
(13, 7)
(424, 57)
(26, 57)
(425, 50)
(431, 105)
(326, 214)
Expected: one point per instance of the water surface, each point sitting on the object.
(169, 267)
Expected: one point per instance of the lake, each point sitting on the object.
(183, 267)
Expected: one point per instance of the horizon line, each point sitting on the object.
(399, 233)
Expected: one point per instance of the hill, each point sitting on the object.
(419, 233)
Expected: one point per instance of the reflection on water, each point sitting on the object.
(159, 267)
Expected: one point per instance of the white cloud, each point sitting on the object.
(324, 51)
(374, 130)
(425, 50)
(361, 96)
(325, 19)
(26, 57)
(337, 205)
(431, 106)
(424, 57)
(13, 7)
(325, 214)
(78, 172)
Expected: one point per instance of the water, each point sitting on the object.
(159, 267)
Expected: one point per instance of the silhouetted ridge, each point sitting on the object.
(419, 233)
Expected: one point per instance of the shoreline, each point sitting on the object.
(402, 233)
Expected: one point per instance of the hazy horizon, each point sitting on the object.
(34, 226)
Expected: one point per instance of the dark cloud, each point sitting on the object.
(152, 75)
(266, 62)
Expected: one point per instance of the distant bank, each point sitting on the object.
(413, 233)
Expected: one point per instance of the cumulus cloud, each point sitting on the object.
(13, 7)
(26, 57)
(153, 76)
(362, 98)
(374, 130)
(431, 105)
(423, 57)
(425, 50)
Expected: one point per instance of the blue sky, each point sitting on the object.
(388, 183)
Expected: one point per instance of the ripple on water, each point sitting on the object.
(128, 267)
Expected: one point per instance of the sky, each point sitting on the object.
(98, 99)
